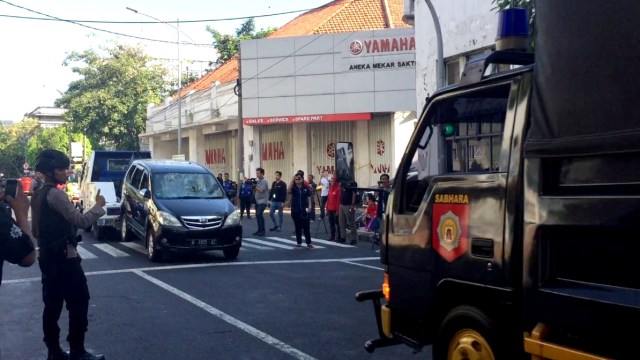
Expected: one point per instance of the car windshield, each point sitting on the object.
(186, 186)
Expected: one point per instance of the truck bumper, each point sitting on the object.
(109, 221)
(383, 321)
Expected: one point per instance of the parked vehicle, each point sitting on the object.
(178, 206)
(511, 227)
(104, 171)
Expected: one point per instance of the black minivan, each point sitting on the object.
(178, 206)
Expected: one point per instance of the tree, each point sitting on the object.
(13, 146)
(227, 45)
(526, 4)
(109, 101)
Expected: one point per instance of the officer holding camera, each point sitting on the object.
(55, 220)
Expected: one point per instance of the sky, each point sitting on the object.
(32, 50)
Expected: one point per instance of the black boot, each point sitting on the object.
(84, 355)
(57, 354)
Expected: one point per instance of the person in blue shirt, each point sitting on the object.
(246, 197)
(229, 187)
(300, 210)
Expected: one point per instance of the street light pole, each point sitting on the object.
(179, 74)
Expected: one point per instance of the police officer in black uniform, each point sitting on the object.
(55, 219)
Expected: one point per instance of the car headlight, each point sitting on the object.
(167, 219)
(233, 219)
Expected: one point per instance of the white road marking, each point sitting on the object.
(267, 243)
(288, 349)
(191, 266)
(332, 243)
(135, 246)
(363, 265)
(291, 241)
(111, 250)
(84, 253)
(253, 246)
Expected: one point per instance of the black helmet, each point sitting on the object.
(48, 160)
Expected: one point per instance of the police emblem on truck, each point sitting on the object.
(450, 225)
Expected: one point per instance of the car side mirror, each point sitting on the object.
(145, 193)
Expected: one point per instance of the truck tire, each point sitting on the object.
(97, 232)
(466, 333)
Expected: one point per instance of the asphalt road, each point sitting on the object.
(273, 302)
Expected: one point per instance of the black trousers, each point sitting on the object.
(63, 281)
(302, 225)
(245, 203)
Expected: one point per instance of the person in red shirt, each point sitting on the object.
(372, 209)
(332, 207)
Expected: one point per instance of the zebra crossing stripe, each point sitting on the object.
(84, 253)
(327, 242)
(245, 244)
(111, 250)
(135, 246)
(269, 243)
(290, 241)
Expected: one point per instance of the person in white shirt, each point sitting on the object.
(324, 193)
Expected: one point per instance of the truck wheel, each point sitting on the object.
(466, 333)
(125, 233)
(97, 232)
(231, 252)
(154, 254)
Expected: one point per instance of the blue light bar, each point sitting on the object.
(513, 30)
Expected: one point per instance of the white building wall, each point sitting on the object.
(467, 25)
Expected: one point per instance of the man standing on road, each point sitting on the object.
(277, 197)
(262, 198)
(54, 223)
(324, 193)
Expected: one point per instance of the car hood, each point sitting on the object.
(196, 207)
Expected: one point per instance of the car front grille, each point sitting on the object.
(203, 222)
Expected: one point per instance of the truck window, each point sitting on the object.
(469, 128)
(145, 181)
(135, 178)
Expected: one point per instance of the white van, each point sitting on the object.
(104, 171)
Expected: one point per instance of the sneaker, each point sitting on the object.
(298, 246)
(279, 229)
(340, 240)
(85, 356)
(353, 242)
(310, 246)
(275, 228)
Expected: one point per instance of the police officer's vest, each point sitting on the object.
(53, 229)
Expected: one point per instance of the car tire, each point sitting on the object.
(125, 233)
(153, 253)
(231, 252)
(466, 329)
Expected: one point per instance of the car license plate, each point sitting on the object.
(203, 242)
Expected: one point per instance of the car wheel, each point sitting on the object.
(466, 333)
(231, 252)
(153, 252)
(125, 233)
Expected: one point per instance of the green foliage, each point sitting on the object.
(109, 101)
(526, 4)
(228, 45)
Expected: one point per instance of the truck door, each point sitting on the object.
(448, 199)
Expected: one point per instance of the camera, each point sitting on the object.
(11, 187)
(253, 181)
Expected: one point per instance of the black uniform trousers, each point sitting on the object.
(63, 281)
(245, 203)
